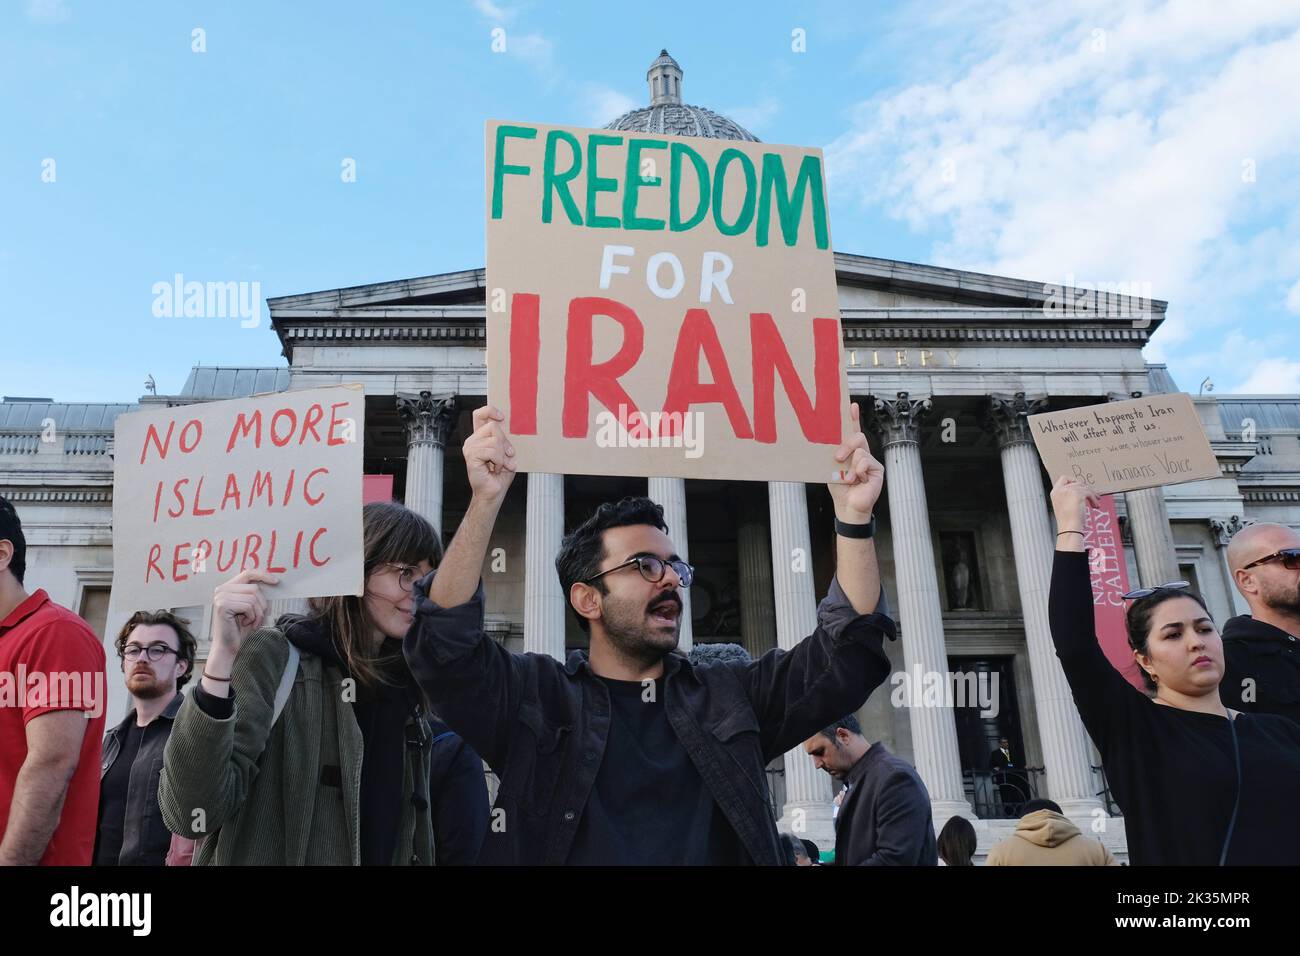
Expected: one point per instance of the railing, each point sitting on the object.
(999, 794)
(1112, 808)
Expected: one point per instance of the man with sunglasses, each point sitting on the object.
(1262, 649)
(156, 650)
(627, 753)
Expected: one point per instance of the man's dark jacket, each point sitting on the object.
(885, 818)
(542, 725)
(145, 838)
(1268, 655)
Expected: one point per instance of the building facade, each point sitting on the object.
(946, 365)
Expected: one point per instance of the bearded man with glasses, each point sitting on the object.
(156, 649)
(627, 753)
(1262, 649)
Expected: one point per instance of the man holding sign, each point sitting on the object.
(627, 753)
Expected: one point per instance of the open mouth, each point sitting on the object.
(666, 613)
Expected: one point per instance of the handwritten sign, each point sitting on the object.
(662, 305)
(203, 492)
(1122, 446)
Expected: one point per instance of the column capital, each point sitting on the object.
(1222, 529)
(428, 419)
(1006, 418)
(898, 419)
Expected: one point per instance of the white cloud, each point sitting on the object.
(493, 12)
(1054, 150)
(604, 105)
(1293, 299)
(47, 11)
(1272, 376)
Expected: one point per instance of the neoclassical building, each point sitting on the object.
(947, 364)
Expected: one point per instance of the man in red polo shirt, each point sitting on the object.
(52, 686)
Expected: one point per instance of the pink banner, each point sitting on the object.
(376, 488)
(1109, 574)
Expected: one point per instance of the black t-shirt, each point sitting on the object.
(649, 806)
(112, 798)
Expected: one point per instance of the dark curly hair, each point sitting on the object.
(1138, 621)
(11, 530)
(583, 550)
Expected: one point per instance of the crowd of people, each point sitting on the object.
(358, 732)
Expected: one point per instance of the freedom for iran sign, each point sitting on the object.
(662, 305)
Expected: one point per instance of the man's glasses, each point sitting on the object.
(1147, 592)
(1290, 558)
(156, 652)
(653, 569)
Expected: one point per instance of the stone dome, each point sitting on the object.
(668, 114)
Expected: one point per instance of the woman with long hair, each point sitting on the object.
(1199, 784)
(957, 843)
(340, 775)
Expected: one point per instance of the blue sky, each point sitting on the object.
(1104, 141)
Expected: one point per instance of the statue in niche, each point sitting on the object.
(960, 571)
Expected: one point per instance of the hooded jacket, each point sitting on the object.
(1046, 838)
(1261, 668)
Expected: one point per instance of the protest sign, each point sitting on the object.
(1122, 446)
(202, 492)
(662, 305)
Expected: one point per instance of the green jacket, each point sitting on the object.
(257, 791)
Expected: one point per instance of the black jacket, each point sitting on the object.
(885, 818)
(542, 725)
(1268, 655)
(458, 797)
(145, 838)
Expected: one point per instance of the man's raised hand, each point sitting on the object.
(489, 456)
(855, 498)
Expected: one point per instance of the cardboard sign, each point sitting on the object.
(202, 492)
(662, 305)
(1108, 573)
(1123, 446)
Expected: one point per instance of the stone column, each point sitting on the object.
(757, 614)
(544, 602)
(429, 423)
(1153, 539)
(807, 811)
(920, 615)
(671, 494)
(1066, 755)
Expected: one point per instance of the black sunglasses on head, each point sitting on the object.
(1147, 592)
(1290, 558)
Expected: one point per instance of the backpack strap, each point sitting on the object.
(286, 683)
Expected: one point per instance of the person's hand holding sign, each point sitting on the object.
(239, 607)
(864, 477)
(1070, 502)
(855, 499)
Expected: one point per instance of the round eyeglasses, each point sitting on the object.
(155, 652)
(406, 575)
(653, 569)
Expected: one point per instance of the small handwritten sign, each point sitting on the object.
(1122, 446)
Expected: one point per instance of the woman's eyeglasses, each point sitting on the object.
(406, 575)
(1290, 558)
(1147, 592)
(652, 569)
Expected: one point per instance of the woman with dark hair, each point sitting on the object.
(957, 843)
(1199, 784)
(308, 742)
